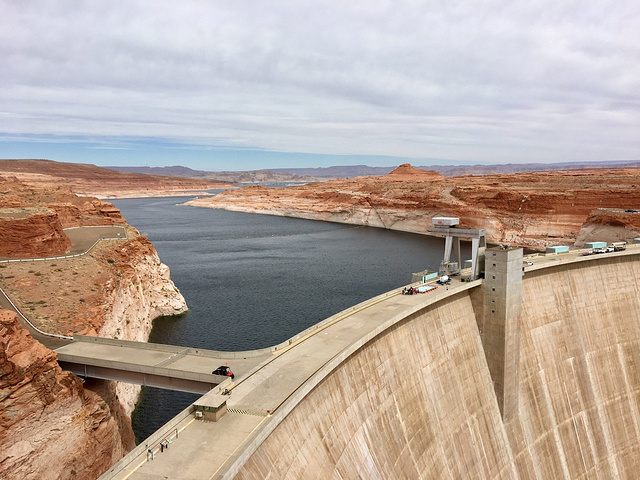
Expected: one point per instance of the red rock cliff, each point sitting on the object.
(31, 232)
(529, 209)
(51, 427)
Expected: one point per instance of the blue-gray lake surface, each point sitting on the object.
(252, 281)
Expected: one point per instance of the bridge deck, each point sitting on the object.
(162, 366)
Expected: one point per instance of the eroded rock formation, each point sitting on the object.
(115, 290)
(529, 209)
(51, 427)
(33, 232)
(610, 225)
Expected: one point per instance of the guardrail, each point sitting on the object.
(54, 335)
(64, 337)
(322, 323)
(61, 257)
(151, 444)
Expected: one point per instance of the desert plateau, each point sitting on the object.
(90, 180)
(533, 209)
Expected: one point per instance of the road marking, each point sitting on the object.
(302, 339)
(247, 412)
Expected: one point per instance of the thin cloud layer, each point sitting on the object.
(482, 81)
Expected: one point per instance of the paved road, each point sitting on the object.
(82, 238)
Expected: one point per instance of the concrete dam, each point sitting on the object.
(455, 383)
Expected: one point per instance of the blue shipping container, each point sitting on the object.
(595, 245)
(558, 249)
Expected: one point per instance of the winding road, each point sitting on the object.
(83, 239)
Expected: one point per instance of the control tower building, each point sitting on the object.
(448, 228)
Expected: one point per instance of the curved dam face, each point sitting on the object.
(418, 401)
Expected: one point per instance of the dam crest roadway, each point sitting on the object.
(217, 435)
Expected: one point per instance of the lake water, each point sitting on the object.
(252, 281)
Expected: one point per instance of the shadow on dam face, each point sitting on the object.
(419, 401)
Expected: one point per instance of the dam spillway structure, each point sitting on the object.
(448, 227)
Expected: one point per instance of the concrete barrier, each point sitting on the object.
(172, 348)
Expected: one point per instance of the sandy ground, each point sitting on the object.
(64, 296)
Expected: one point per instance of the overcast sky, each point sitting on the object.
(252, 84)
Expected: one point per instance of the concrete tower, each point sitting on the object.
(500, 330)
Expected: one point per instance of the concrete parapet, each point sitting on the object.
(171, 429)
(331, 319)
(236, 462)
(172, 348)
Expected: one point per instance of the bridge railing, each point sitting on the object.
(173, 348)
(68, 359)
(332, 318)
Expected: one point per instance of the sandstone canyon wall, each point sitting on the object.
(50, 426)
(531, 209)
(142, 292)
(418, 400)
(115, 290)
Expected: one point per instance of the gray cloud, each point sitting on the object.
(492, 80)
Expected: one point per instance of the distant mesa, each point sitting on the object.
(406, 170)
(86, 179)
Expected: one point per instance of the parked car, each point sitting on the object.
(224, 371)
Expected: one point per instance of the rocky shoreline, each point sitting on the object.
(532, 210)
